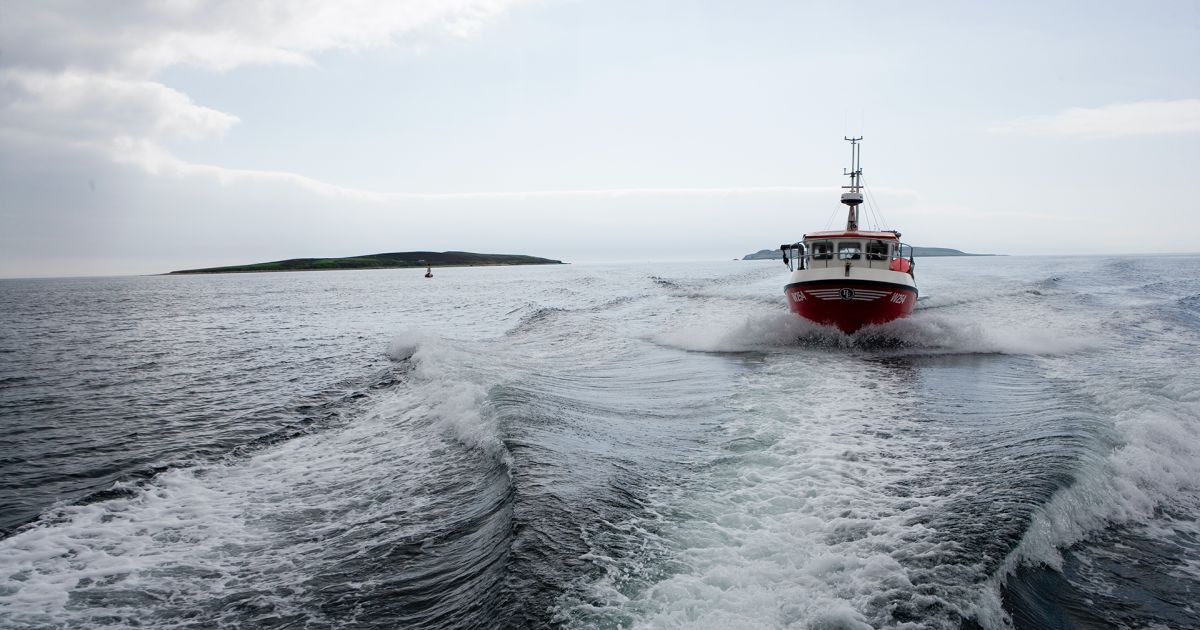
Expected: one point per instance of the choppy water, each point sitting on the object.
(602, 446)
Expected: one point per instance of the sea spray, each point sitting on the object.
(443, 378)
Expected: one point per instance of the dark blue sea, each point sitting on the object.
(657, 445)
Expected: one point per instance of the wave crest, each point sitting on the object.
(921, 333)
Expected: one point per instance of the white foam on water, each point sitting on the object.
(253, 529)
(186, 539)
(920, 333)
(1151, 403)
(795, 525)
(800, 527)
(452, 392)
(1154, 463)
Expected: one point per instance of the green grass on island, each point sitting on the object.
(393, 260)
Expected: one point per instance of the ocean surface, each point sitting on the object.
(602, 446)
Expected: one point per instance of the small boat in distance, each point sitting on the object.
(850, 278)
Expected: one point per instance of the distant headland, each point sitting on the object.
(775, 254)
(392, 260)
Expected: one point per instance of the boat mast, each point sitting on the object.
(855, 196)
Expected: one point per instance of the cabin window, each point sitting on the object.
(877, 250)
(821, 250)
(850, 250)
(793, 255)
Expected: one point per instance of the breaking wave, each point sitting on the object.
(921, 333)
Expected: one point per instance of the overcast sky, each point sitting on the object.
(141, 137)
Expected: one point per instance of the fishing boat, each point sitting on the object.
(851, 278)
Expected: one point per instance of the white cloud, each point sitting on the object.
(82, 73)
(1111, 121)
(141, 37)
(96, 109)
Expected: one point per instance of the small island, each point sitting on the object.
(919, 252)
(392, 260)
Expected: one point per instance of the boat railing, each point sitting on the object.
(796, 256)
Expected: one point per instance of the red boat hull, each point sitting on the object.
(850, 304)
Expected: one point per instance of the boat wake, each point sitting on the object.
(616, 450)
(418, 478)
(921, 333)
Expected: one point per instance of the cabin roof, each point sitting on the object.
(883, 236)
